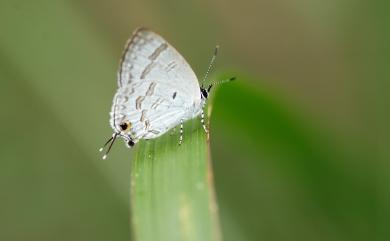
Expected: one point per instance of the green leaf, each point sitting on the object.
(172, 192)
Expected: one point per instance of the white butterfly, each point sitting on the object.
(157, 91)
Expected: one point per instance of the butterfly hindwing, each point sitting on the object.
(151, 108)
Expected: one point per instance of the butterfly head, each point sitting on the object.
(205, 91)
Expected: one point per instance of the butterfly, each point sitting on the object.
(157, 90)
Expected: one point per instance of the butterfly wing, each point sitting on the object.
(157, 87)
(147, 56)
(150, 107)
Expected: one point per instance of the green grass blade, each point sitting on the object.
(172, 192)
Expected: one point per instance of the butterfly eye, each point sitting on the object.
(125, 126)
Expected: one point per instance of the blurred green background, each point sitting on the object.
(299, 141)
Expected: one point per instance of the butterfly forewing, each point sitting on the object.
(147, 56)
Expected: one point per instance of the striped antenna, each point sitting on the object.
(211, 64)
(224, 81)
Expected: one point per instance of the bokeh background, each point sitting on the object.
(300, 142)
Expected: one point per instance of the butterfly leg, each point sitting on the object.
(181, 132)
(202, 119)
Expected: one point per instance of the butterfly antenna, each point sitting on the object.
(211, 64)
(224, 81)
(220, 82)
